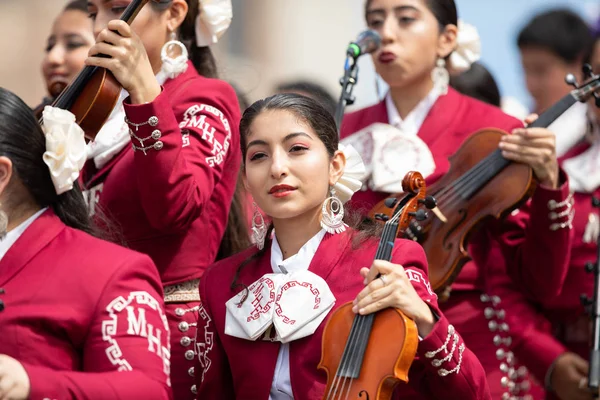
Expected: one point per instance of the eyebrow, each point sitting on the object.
(396, 9)
(293, 135)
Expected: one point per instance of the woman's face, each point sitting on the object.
(67, 49)
(150, 25)
(288, 170)
(410, 41)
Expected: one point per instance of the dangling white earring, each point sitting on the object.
(440, 76)
(333, 214)
(259, 228)
(174, 66)
(3, 224)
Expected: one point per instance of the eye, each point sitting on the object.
(405, 20)
(375, 23)
(118, 10)
(257, 156)
(92, 15)
(297, 148)
(74, 45)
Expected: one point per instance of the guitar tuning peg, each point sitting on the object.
(571, 80)
(588, 72)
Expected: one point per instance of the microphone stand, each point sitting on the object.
(593, 309)
(347, 82)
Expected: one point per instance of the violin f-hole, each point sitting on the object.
(463, 213)
(360, 394)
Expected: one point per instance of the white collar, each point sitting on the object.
(15, 234)
(413, 121)
(299, 261)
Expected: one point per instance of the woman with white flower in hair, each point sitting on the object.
(418, 126)
(164, 167)
(79, 317)
(300, 177)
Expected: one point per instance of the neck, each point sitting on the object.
(406, 98)
(293, 233)
(17, 217)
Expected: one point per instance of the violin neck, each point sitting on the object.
(132, 10)
(551, 114)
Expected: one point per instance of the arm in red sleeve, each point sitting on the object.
(188, 138)
(443, 368)
(536, 241)
(213, 374)
(126, 353)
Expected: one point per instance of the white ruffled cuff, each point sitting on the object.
(65, 147)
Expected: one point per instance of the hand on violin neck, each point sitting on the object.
(387, 285)
(535, 147)
(127, 60)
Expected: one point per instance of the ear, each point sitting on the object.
(5, 173)
(336, 167)
(245, 180)
(447, 41)
(176, 14)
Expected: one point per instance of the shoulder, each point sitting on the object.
(362, 118)
(483, 115)
(102, 259)
(192, 88)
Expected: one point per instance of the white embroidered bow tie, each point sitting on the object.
(295, 304)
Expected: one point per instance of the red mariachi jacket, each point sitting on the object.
(229, 367)
(83, 316)
(452, 119)
(172, 201)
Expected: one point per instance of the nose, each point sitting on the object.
(56, 55)
(100, 22)
(388, 30)
(279, 165)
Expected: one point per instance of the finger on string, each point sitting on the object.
(530, 133)
(101, 62)
(106, 49)
(522, 151)
(373, 286)
(108, 36)
(530, 119)
(380, 267)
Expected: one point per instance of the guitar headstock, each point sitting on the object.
(590, 86)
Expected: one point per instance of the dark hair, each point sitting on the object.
(443, 10)
(311, 112)
(561, 31)
(235, 238)
(310, 89)
(24, 143)
(477, 82)
(201, 57)
(77, 5)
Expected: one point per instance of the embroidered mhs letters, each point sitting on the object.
(196, 117)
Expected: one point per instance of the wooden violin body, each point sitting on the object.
(366, 356)
(381, 370)
(476, 187)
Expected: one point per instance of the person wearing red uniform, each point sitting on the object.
(167, 175)
(80, 317)
(245, 348)
(562, 361)
(419, 124)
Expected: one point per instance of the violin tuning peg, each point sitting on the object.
(429, 201)
(390, 202)
(571, 80)
(588, 72)
(381, 217)
(420, 215)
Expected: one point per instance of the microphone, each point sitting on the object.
(367, 42)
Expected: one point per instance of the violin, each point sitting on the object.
(93, 94)
(479, 185)
(354, 368)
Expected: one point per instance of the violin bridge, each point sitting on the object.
(438, 213)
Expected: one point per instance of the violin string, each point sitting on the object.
(472, 183)
(359, 333)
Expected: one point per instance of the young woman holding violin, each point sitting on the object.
(246, 346)
(67, 48)
(164, 166)
(79, 317)
(422, 122)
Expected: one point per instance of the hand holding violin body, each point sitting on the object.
(392, 289)
(128, 61)
(535, 147)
